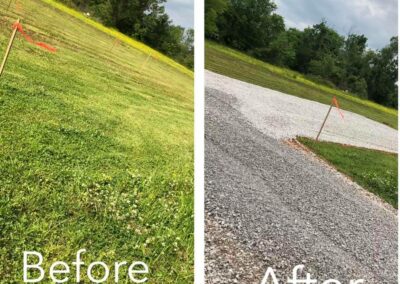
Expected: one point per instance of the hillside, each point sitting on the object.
(96, 146)
(234, 64)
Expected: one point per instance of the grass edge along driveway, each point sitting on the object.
(374, 170)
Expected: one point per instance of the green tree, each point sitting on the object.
(319, 43)
(355, 65)
(213, 8)
(282, 50)
(326, 67)
(382, 83)
(354, 52)
(250, 24)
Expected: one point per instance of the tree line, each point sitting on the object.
(325, 56)
(146, 21)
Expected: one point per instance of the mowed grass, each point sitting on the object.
(237, 65)
(96, 149)
(374, 170)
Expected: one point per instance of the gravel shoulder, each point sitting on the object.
(276, 206)
(284, 116)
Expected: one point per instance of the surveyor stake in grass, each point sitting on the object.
(18, 27)
(10, 43)
(145, 62)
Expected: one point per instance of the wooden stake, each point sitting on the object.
(323, 124)
(144, 63)
(115, 43)
(3, 64)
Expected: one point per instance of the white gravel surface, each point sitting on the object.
(283, 116)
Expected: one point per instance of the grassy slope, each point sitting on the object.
(96, 148)
(376, 171)
(237, 65)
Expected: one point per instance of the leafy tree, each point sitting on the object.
(358, 85)
(354, 51)
(326, 66)
(382, 83)
(354, 62)
(250, 24)
(319, 43)
(282, 50)
(213, 8)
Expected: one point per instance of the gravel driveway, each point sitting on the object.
(268, 204)
(283, 116)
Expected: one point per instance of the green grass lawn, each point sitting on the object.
(234, 64)
(96, 147)
(374, 170)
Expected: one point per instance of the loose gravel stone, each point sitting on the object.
(225, 255)
(282, 208)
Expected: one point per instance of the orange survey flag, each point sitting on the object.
(335, 102)
(18, 26)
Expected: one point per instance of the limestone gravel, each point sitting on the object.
(283, 208)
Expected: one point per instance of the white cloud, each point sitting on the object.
(376, 19)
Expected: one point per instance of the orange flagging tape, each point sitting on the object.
(335, 102)
(18, 26)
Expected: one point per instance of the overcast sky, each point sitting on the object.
(181, 12)
(376, 19)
